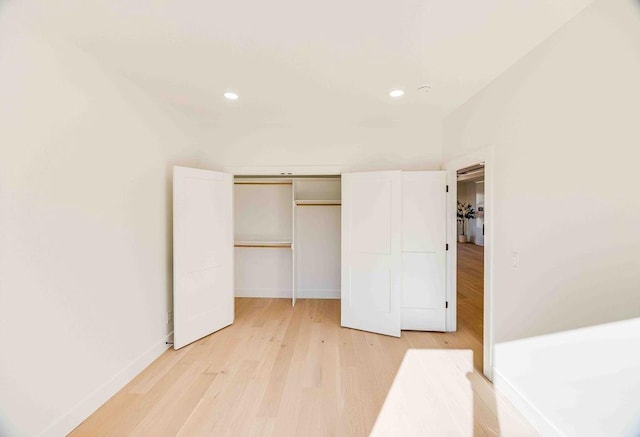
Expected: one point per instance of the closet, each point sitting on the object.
(317, 207)
(287, 237)
(263, 238)
(375, 240)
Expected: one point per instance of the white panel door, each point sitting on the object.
(202, 253)
(424, 250)
(371, 257)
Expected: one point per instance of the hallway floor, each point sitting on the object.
(471, 294)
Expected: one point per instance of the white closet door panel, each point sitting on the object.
(423, 319)
(371, 285)
(371, 257)
(371, 214)
(424, 250)
(423, 211)
(202, 253)
(423, 279)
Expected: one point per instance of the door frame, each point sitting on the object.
(452, 166)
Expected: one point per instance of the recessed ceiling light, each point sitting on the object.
(231, 96)
(396, 93)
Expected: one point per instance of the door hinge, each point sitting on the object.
(447, 246)
(446, 304)
(447, 188)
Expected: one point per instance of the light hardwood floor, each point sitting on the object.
(284, 371)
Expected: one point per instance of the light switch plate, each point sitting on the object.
(515, 260)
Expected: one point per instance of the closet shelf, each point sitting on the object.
(318, 202)
(258, 182)
(283, 244)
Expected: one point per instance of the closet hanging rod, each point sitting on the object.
(319, 204)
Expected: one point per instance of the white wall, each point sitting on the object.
(317, 251)
(263, 212)
(591, 381)
(378, 145)
(85, 231)
(563, 125)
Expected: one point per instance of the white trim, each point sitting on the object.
(283, 170)
(262, 243)
(451, 323)
(319, 202)
(243, 180)
(275, 293)
(527, 408)
(318, 294)
(87, 406)
(452, 166)
(294, 285)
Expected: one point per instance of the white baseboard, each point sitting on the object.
(318, 294)
(263, 292)
(539, 421)
(83, 409)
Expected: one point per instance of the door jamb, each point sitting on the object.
(452, 166)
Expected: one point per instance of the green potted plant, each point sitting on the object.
(465, 212)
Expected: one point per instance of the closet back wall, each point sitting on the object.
(317, 238)
(262, 213)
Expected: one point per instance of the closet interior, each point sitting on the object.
(287, 234)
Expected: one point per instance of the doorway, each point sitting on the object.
(470, 254)
(481, 159)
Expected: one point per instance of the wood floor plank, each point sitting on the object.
(181, 400)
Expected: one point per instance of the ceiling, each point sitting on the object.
(303, 64)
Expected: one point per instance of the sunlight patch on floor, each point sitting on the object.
(437, 392)
(429, 395)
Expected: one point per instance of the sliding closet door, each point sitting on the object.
(424, 250)
(202, 253)
(371, 251)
